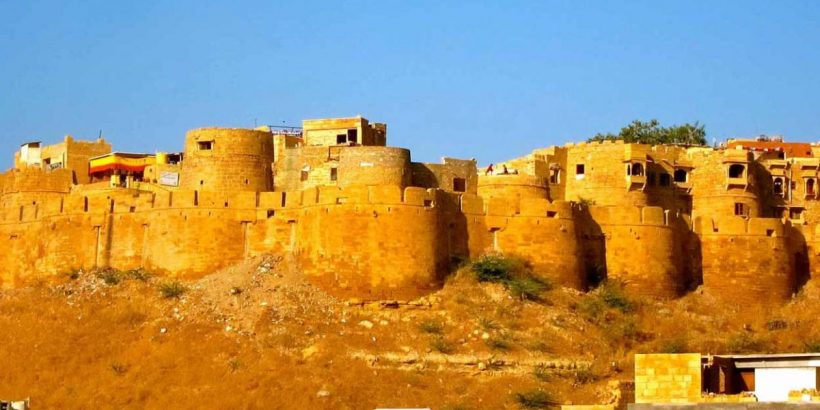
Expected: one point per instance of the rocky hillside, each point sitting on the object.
(258, 336)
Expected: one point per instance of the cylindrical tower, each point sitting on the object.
(643, 250)
(746, 261)
(227, 159)
(363, 165)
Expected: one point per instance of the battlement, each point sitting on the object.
(634, 215)
(739, 226)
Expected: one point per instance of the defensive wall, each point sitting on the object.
(383, 241)
(365, 221)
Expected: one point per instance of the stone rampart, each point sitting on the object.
(643, 249)
(747, 261)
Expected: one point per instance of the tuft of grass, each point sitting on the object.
(234, 364)
(73, 274)
(584, 376)
(538, 346)
(138, 274)
(119, 368)
(110, 277)
(591, 308)
(441, 345)
(776, 324)
(745, 343)
(487, 324)
(432, 327)
(172, 290)
(612, 294)
(676, 345)
(498, 343)
(535, 399)
(812, 346)
(542, 372)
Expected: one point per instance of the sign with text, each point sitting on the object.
(169, 178)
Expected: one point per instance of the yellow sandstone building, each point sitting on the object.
(363, 220)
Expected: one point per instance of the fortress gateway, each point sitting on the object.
(363, 220)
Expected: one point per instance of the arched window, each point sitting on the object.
(736, 171)
(810, 186)
(778, 186)
(637, 169)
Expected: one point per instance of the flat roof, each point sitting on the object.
(777, 360)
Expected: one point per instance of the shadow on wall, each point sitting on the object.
(593, 246)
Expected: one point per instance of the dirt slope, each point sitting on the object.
(258, 336)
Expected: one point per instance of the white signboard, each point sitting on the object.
(169, 178)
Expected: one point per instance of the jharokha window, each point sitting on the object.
(777, 186)
(810, 186)
(736, 171)
(635, 169)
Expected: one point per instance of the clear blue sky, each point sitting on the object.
(489, 80)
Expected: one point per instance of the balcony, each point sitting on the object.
(635, 182)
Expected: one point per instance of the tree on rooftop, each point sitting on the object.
(652, 133)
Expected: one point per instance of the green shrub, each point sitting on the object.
(591, 308)
(535, 399)
(171, 290)
(527, 288)
(495, 268)
(513, 273)
(612, 293)
(432, 327)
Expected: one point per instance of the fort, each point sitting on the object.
(363, 220)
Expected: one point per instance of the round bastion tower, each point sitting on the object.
(227, 159)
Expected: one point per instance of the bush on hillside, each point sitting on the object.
(511, 272)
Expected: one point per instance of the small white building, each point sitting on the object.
(770, 376)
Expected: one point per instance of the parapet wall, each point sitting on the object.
(512, 186)
(746, 260)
